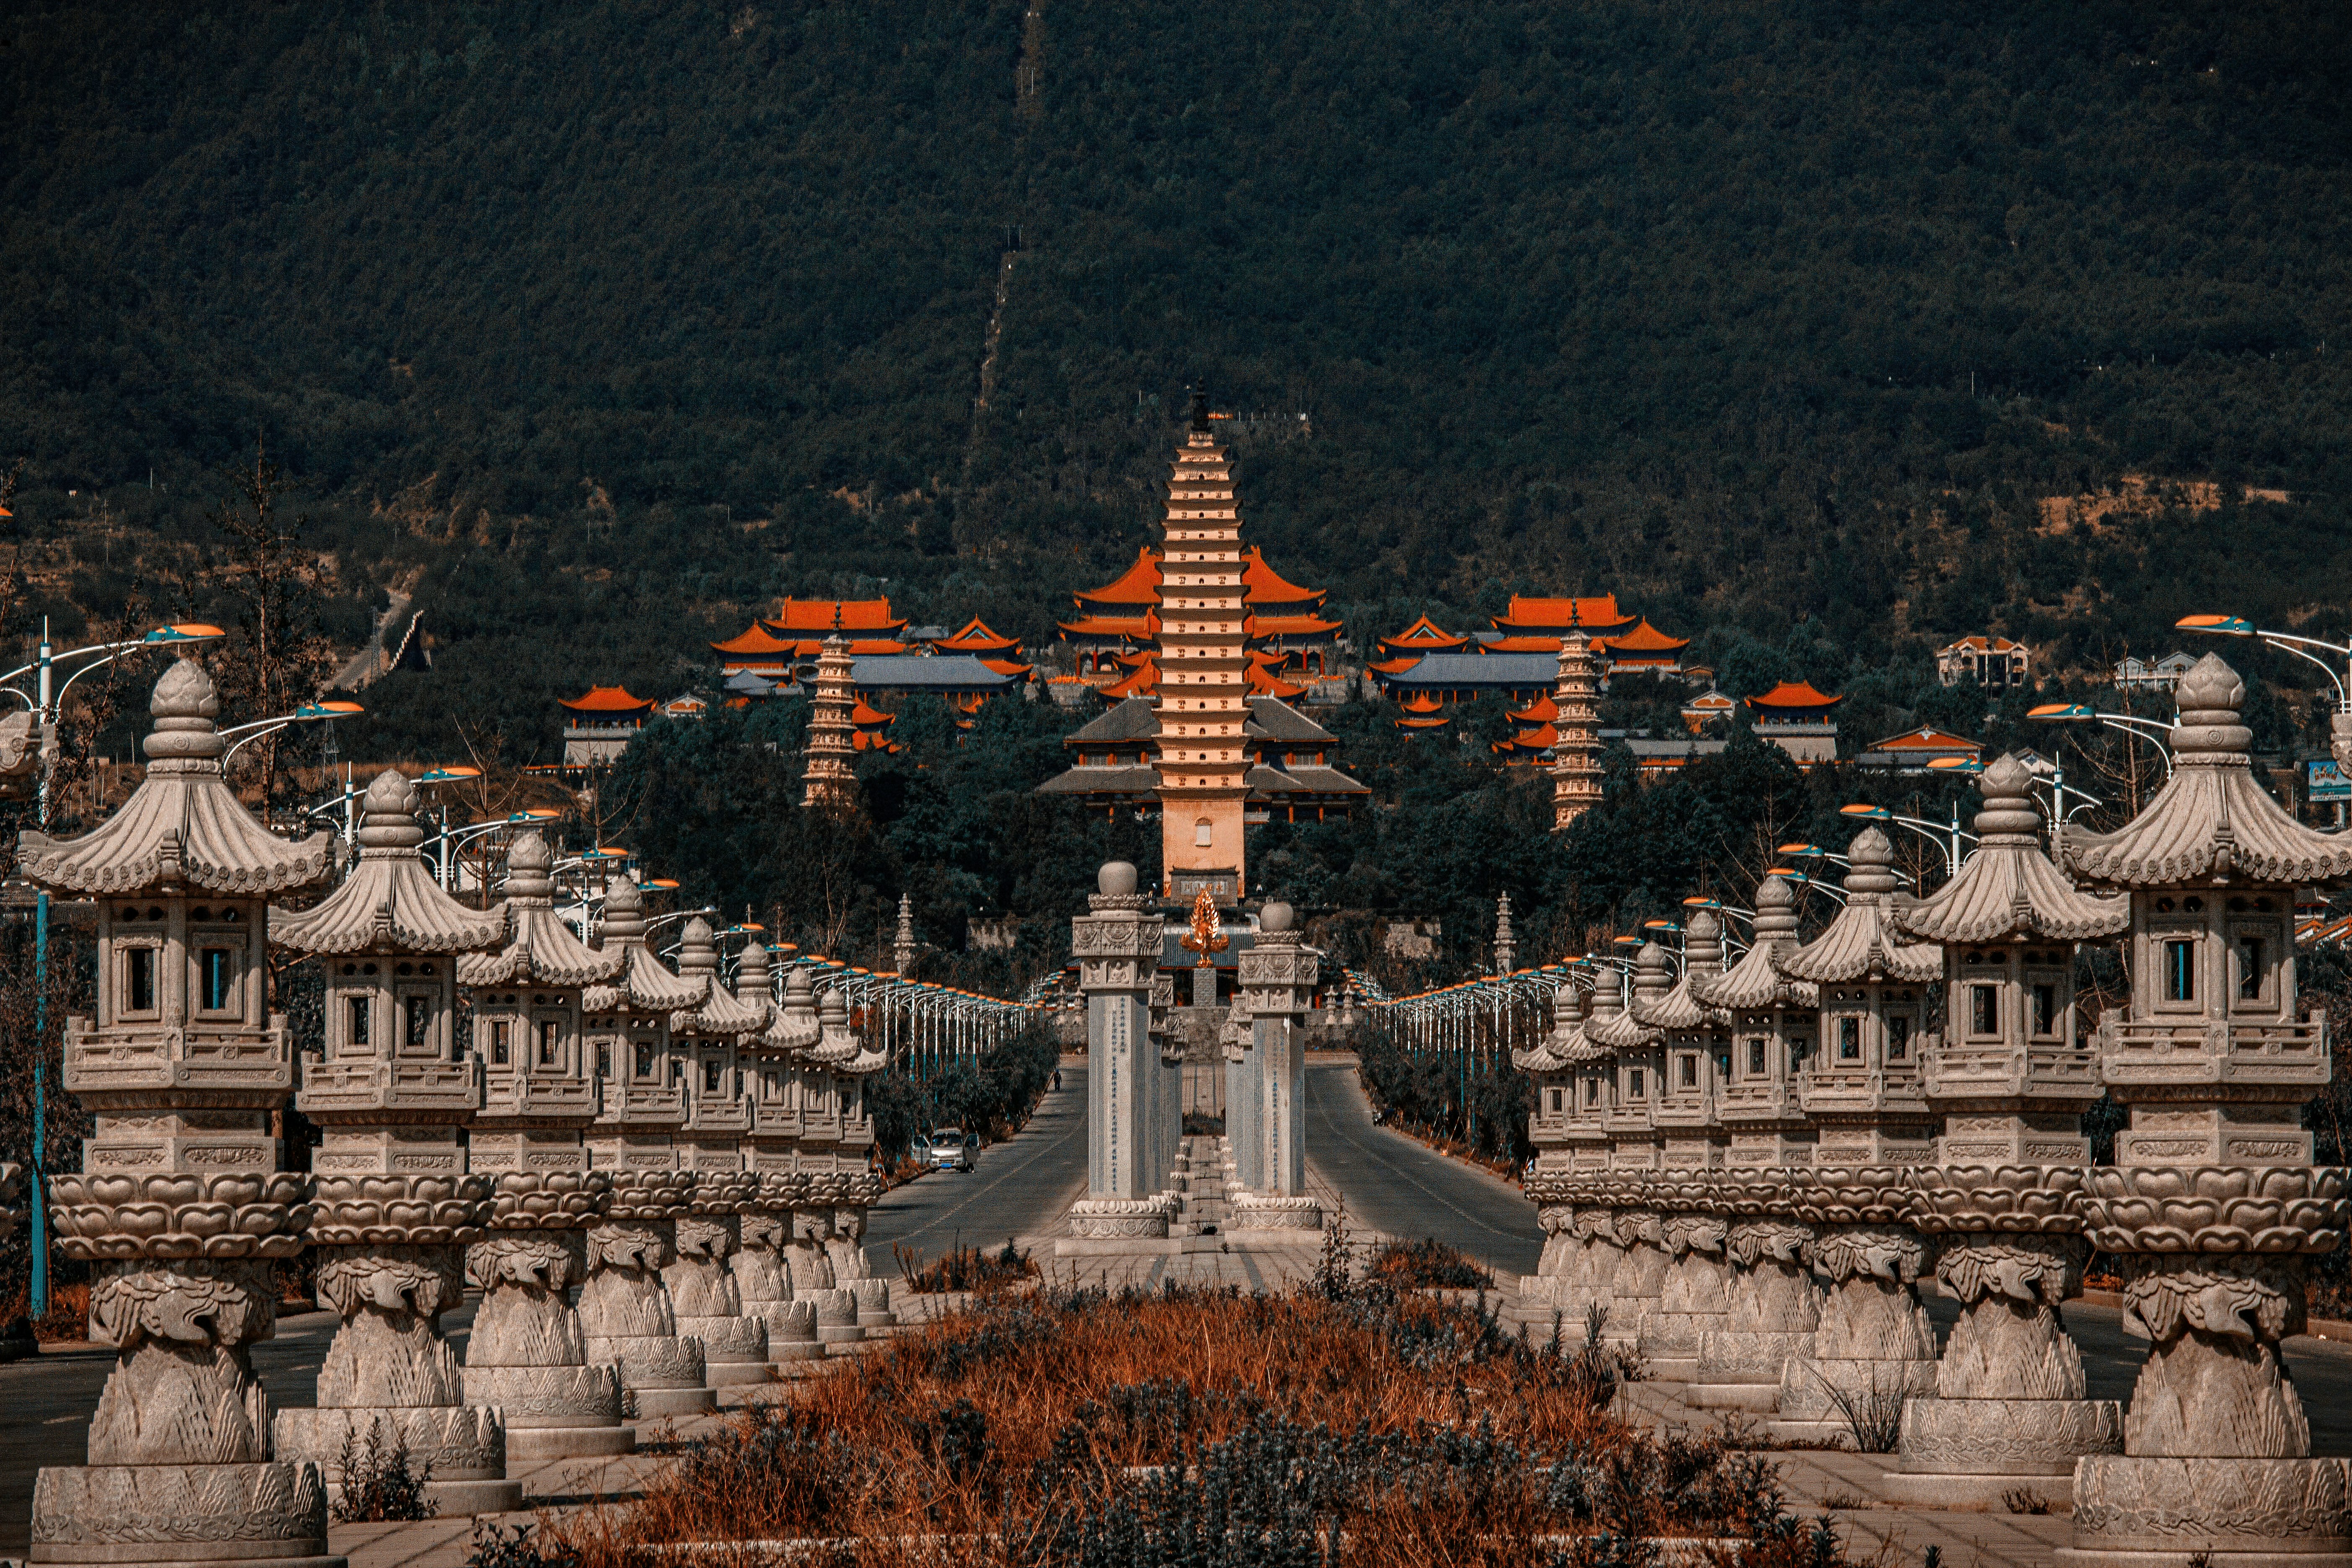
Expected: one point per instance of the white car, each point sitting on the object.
(950, 1149)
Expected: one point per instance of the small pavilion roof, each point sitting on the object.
(976, 638)
(390, 903)
(1793, 694)
(1542, 711)
(540, 949)
(184, 826)
(817, 617)
(1264, 585)
(2211, 819)
(1863, 942)
(1631, 1029)
(1538, 738)
(720, 1012)
(1138, 584)
(1928, 738)
(1425, 636)
(794, 1028)
(1552, 1050)
(1420, 702)
(869, 718)
(607, 700)
(644, 983)
(2009, 888)
(1420, 724)
(1012, 669)
(754, 640)
(1680, 1008)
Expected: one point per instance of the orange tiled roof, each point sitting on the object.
(1520, 645)
(862, 716)
(1009, 666)
(1264, 585)
(757, 639)
(607, 700)
(1926, 738)
(1421, 702)
(872, 741)
(1644, 639)
(1141, 681)
(1263, 682)
(1793, 694)
(1534, 615)
(1421, 724)
(822, 615)
(1542, 738)
(1131, 630)
(1425, 636)
(1287, 627)
(976, 637)
(1138, 584)
(1542, 711)
(1393, 666)
(1708, 701)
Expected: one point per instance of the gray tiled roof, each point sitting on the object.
(917, 672)
(1479, 671)
(1134, 718)
(1129, 780)
(1277, 719)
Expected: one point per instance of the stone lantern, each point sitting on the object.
(528, 1354)
(700, 1281)
(1636, 1049)
(1550, 1088)
(2212, 1207)
(1116, 946)
(1691, 1300)
(180, 1208)
(1861, 1089)
(395, 1207)
(625, 1306)
(852, 1061)
(1277, 975)
(763, 1276)
(1589, 1195)
(1771, 1305)
(2013, 1080)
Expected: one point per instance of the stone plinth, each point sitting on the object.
(1638, 1276)
(1873, 1342)
(1694, 1298)
(623, 1309)
(527, 1355)
(2008, 1412)
(703, 1291)
(764, 1273)
(1772, 1308)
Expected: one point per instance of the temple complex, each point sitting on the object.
(785, 647)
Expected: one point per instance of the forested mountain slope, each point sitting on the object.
(597, 325)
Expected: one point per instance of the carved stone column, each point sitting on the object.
(702, 1287)
(528, 1356)
(395, 1206)
(1116, 946)
(180, 1208)
(2212, 1207)
(1693, 1299)
(1772, 1306)
(1277, 977)
(1874, 1343)
(623, 1309)
(763, 1274)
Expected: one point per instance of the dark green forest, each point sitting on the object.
(597, 326)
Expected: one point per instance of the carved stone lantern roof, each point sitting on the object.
(182, 828)
(540, 949)
(1863, 943)
(836, 1047)
(1756, 982)
(1601, 1020)
(2210, 821)
(2009, 888)
(1551, 1051)
(390, 903)
(644, 982)
(1681, 1008)
(1630, 1029)
(719, 1012)
(796, 1028)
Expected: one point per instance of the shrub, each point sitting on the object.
(377, 1483)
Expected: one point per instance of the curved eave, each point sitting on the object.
(177, 830)
(654, 987)
(543, 952)
(1681, 1010)
(388, 906)
(1754, 985)
(2208, 821)
(2011, 890)
(1860, 944)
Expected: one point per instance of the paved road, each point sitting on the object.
(1018, 1187)
(1398, 1187)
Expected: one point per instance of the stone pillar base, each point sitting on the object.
(568, 1442)
(461, 1442)
(1807, 1411)
(1743, 1370)
(2153, 1513)
(1120, 1219)
(1259, 1211)
(1969, 1452)
(734, 1349)
(791, 1331)
(165, 1516)
(837, 1315)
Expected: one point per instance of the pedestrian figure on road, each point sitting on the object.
(1057, 1081)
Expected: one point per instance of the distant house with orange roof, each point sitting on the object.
(1993, 663)
(1707, 706)
(1000, 654)
(1798, 720)
(1913, 749)
(872, 728)
(1425, 636)
(1537, 617)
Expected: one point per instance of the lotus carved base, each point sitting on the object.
(159, 1516)
(2134, 1512)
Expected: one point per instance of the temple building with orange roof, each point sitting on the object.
(1705, 708)
(1530, 616)
(1914, 749)
(1424, 636)
(599, 726)
(1124, 616)
(784, 647)
(872, 728)
(1644, 650)
(1798, 720)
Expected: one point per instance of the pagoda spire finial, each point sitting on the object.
(1200, 410)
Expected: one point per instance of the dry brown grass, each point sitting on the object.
(1362, 1428)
